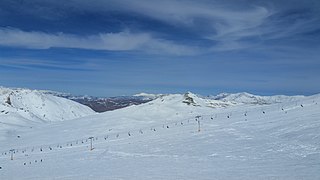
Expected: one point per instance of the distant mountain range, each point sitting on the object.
(246, 98)
(220, 100)
(28, 108)
(103, 104)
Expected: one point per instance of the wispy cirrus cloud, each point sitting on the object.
(34, 64)
(239, 45)
(223, 23)
(211, 25)
(122, 41)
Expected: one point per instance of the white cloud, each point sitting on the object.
(122, 41)
(225, 22)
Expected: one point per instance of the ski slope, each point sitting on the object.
(161, 140)
(24, 109)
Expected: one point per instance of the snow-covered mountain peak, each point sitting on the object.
(189, 99)
(24, 107)
(247, 98)
(148, 96)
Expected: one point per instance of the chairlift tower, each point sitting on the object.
(91, 147)
(12, 152)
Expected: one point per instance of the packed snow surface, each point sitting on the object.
(180, 136)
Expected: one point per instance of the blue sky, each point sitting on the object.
(123, 47)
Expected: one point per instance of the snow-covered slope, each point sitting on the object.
(188, 98)
(148, 96)
(247, 98)
(195, 100)
(161, 140)
(25, 108)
